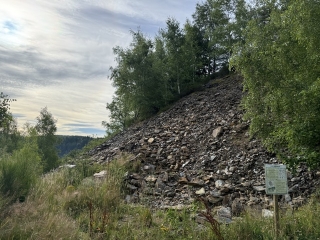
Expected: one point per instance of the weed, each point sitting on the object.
(71, 204)
(214, 224)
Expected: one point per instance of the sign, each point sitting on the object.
(276, 179)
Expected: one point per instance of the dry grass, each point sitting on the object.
(68, 205)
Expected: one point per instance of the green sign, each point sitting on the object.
(276, 179)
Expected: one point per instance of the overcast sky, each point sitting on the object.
(57, 54)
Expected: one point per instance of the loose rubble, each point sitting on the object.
(201, 147)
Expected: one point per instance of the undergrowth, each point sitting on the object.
(71, 204)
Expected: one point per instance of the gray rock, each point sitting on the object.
(223, 212)
(214, 200)
(217, 132)
(215, 193)
(236, 207)
(287, 198)
(219, 183)
(259, 188)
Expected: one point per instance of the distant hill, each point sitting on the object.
(69, 143)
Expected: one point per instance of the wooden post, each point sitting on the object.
(276, 215)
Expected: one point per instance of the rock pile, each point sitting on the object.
(201, 147)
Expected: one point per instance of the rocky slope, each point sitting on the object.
(201, 147)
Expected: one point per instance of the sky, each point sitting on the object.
(57, 54)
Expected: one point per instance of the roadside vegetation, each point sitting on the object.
(70, 203)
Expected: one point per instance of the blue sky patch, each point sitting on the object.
(9, 26)
(90, 131)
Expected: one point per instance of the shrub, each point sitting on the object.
(19, 171)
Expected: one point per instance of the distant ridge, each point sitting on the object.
(70, 143)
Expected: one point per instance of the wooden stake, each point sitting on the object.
(276, 215)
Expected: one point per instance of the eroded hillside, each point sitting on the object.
(201, 147)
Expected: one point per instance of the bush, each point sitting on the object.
(19, 171)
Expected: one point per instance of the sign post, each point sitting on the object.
(276, 184)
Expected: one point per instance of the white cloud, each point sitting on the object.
(58, 53)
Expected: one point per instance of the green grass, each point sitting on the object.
(69, 204)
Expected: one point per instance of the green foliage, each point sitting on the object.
(47, 140)
(138, 90)
(71, 143)
(83, 169)
(119, 114)
(212, 17)
(19, 172)
(301, 224)
(173, 41)
(9, 135)
(11, 139)
(151, 74)
(5, 115)
(280, 65)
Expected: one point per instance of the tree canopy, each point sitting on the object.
(9, 134)
(274, 44)
(152, 73)
(280, 65)
(47, 140)
(5, 115)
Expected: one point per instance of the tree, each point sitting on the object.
(173, 42)
(47, 140)
(150, 74)
(192, 56)
(160, 61)
(5, 116)
(138, 89)
(242, 15)
(212, 18)
(119, 116)
(9, 134)
(280, 64)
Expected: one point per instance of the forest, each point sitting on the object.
(71, 144)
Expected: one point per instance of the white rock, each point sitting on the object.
(183, 165)
(213, 157)
(201, 191)
(267, 213)
(69, 165)
(101, 174)
(259, 188)
(151, 178)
